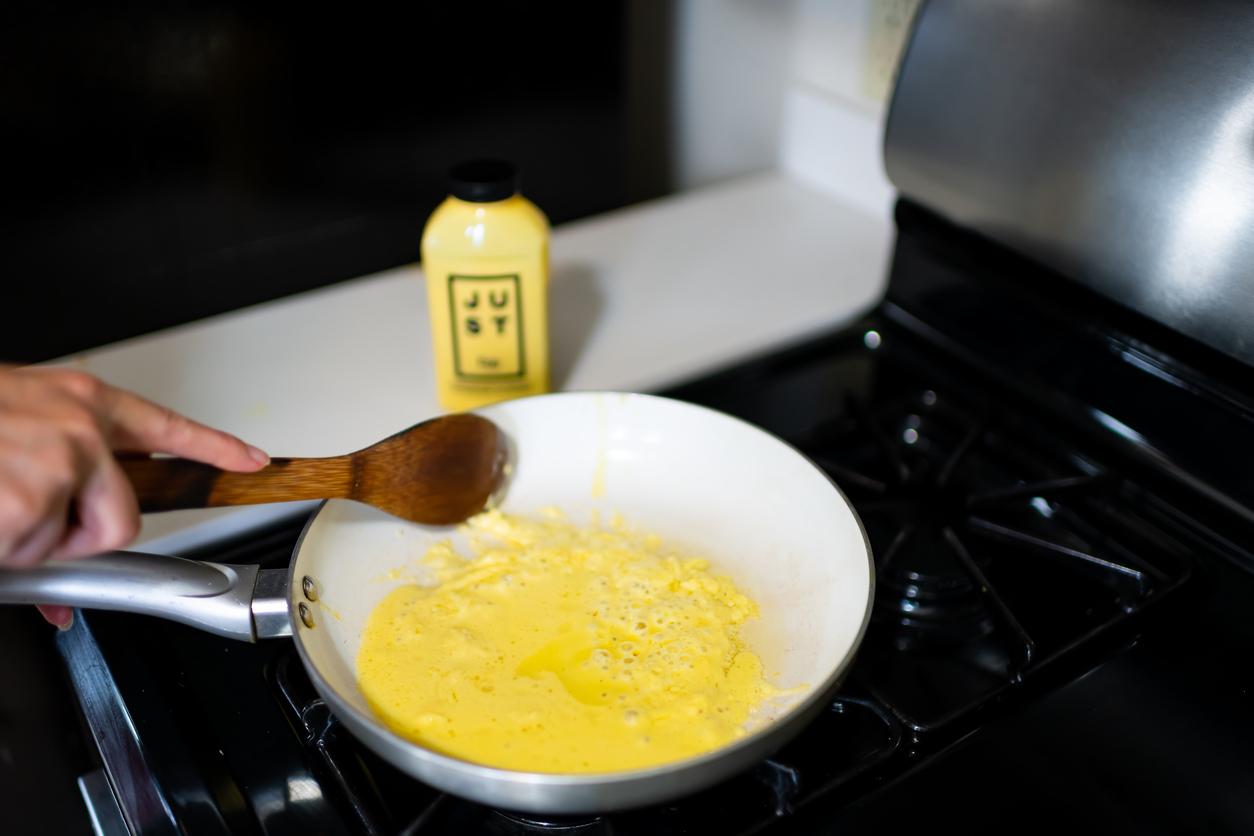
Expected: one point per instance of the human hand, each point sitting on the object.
(62, 493)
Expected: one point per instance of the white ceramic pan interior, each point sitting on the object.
(759, 511)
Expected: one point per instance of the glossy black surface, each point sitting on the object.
(1061, 622)
(43, 749)
(996, 554)
(1169, 404)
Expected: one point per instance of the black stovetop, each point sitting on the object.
(1058, 639)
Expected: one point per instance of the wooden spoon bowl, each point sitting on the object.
(438, 472)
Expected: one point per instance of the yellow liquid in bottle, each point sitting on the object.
(487, 267)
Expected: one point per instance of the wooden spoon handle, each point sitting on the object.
(170, 484)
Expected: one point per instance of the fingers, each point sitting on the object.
(58, 616)
(19, 511)
(108, 516)
(137, 424)
(58, 431)
(41, 468)
(108, 519)
(130, 422)
(40, 540)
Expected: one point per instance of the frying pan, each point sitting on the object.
(763, 514)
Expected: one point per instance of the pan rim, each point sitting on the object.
(765, 739)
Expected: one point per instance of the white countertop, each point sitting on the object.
(640, 298)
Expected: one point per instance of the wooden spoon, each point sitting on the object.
(438, 472)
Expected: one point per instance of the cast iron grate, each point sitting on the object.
(996, 554)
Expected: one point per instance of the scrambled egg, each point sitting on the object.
(560, 648)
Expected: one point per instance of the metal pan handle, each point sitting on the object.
(238, 602)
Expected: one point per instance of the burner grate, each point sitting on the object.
(977, 533)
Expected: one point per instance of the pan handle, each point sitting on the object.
(238, 602)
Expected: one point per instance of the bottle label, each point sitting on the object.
(486, 312)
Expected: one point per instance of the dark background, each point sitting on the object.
(165, 162)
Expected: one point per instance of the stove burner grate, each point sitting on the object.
(976, 533)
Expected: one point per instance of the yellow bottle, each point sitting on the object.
(485, 253)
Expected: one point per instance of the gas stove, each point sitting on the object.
(1018, 563)
(1046, 433)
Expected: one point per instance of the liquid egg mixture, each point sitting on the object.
(563, 648)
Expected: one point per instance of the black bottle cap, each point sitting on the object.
(483, 181)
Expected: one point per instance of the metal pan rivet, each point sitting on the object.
(306, 615)
(309, 588)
